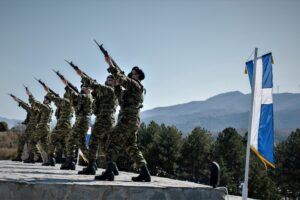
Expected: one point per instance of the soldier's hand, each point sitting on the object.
(47, 89)
(79, 72)
(28, 93)
(108, 60)
(65, 81)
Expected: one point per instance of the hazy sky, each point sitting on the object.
(190, 49)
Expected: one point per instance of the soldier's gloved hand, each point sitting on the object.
(112, 70)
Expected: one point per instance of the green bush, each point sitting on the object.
(3, 126)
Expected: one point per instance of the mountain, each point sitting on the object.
(224, 110)
(10, 122)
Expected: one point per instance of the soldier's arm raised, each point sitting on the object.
(25, 106)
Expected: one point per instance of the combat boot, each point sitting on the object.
(59, 159)
(143, 176)
(108, 174)
(90, 169)
(51, 161)
(39, 160)
(30, 159)
(18, 158)
(69, 164)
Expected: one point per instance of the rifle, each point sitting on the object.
(27, 90)
(105, 53)
(78, 70)
(62, 78)
(46, 88)
(17, 99)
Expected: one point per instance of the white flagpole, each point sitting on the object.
(245, 185)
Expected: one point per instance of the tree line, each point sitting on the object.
(171, 155)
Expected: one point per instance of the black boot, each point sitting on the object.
(90, 169)
(39, 160)
(59, 159)
(108, 174)
(143, 176)
(69, 164)
(30, 159)
(18, 158)
(51, 161)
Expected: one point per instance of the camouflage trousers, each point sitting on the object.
(77, 137)
(100, 132)
(124, 138)
(58, 139)
(40, 134)
(24, 139)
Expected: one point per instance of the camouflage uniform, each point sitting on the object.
(43, 126)
(60, 133)
(82, 104)
(104, 108)
(30, 122)
(124, 135)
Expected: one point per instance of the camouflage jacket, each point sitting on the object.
(32, 116)
(64, 110)
(45, 113)
(82, 104)
(130, 99)
(105, 101)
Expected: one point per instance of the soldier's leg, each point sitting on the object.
(64, 141)
(82, 132)
(33, 139)
(130, 145)
(22, 139)
(92, 153)
(72, 141)
(60, 152)
(44, 135)
(112, 149)
(53, 142)
(72, 138)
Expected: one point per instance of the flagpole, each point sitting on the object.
(245, 185)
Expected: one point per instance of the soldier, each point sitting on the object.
(43, 126)
(82, 104)
(59, 135)
(104, 108)
(124, 135)
(30, 122)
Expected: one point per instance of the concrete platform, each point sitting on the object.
(33, 181)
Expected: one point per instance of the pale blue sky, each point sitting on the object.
(190, 50)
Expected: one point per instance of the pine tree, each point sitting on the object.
(229, 152)
(169, 145)
(196, 156)
(287, 155)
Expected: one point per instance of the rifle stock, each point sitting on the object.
(17, 99)
(62, 78)
(27, 90)
(46, 88)
(77, 69)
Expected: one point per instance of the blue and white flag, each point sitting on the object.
(88, 134)
(262, 121)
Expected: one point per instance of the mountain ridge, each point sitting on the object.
(224, 110)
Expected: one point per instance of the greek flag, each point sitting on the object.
(262, 122)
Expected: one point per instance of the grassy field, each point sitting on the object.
(8, 145)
